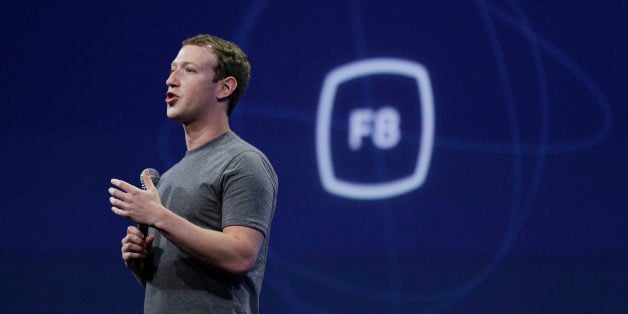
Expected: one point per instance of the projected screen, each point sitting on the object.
(455, 156)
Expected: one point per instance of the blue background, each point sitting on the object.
(523, 209)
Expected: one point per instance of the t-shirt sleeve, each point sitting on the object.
(249, 192)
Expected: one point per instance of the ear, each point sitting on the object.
(227, 86)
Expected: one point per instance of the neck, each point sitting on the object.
(199, 134)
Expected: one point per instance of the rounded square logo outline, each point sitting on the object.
(367, 67)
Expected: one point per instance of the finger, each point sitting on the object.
(126, 239)
(149, 240)
(126, 256)
(134, 248)
(133, 230)
(148, 182)
(124, 186)
(133, 234)
(117, 203)
(149, 244)
(120, 212)
(135, 239)
(117, 194)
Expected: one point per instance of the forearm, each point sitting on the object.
(231, 251)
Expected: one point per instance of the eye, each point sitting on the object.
(189, 70)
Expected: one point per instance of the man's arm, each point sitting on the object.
(234, 250)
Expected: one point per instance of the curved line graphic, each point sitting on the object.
(520, 204)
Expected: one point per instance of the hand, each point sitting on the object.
(141, 206)
(134, 246)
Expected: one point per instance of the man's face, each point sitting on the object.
(191, 92)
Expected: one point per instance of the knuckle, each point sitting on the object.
(135, 239)
(130, 230)
(127, 256)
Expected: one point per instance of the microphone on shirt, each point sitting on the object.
(154, 177)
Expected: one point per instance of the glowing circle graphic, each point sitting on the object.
(287, 272)
(363, 68)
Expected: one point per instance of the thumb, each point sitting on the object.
(150, 239)
(148, 182)
(149, 243)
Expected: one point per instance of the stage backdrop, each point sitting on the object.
(455, 156)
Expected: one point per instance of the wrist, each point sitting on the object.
(161, 218)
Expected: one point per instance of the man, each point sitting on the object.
(210, 217)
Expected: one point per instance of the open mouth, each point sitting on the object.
(171, 98)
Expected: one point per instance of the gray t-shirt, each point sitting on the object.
(226, 182)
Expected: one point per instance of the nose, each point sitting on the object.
(172, 79)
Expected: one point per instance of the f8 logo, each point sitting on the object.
(382, 125)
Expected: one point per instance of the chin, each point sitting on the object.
(175, 117)
(171, 113)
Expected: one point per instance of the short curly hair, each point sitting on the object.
(232, 61)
